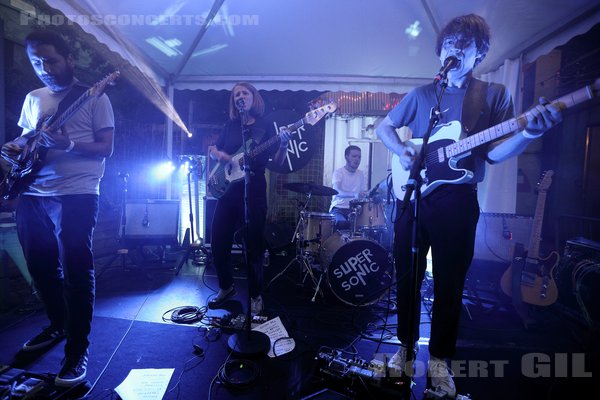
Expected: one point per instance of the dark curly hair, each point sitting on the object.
(48, 37)
(470, 26)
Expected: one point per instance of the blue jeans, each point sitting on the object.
(56, 236)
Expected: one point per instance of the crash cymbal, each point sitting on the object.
(310, 188)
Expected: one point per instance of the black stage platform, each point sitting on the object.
(498, 357)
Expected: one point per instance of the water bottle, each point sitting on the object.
(266, 258)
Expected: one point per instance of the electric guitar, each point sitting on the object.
(223, 174)
(530, 275)
(31, 158)
(445, 148)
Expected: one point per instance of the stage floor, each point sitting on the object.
(497, 356)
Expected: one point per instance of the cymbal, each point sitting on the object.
(310, 188)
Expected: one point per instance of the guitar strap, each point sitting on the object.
(473, 104)
(75, 93)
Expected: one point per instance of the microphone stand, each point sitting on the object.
(248, 343)
(414, 185)
(194, 167)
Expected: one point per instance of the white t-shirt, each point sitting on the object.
(63, 173)
(348, 184)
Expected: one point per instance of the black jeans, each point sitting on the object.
(229, 216)
(448, 221)
(56, 235)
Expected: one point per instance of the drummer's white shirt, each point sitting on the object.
(349, 185)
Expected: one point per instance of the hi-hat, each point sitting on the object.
(310, 188)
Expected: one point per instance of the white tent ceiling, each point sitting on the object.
(315, 44)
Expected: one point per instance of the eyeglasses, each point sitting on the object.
(456, 43)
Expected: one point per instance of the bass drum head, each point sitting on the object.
(360, 272)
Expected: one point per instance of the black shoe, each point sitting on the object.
(73, 371)
(221, 297)
(46, 338)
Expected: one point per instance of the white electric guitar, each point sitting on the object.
(445, 148)
(222, 175)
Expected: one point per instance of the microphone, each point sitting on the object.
(449, 63)
(239, 103)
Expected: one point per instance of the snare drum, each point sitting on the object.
(358, 270)
(318, 227)
(369, 214)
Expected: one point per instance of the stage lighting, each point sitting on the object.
(163, 171)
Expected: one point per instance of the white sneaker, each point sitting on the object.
(441, 377)
(397, 363)
(256, 305)
(222, 296)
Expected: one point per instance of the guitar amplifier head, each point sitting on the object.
(152, 221)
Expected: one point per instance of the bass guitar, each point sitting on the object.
(530, 278)
(445, 148)
(31, 158)
(223, 174)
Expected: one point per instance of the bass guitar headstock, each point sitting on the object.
(315, 115)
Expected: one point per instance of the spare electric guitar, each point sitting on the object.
(223, 174)
(530, 278)
(445, 148)
(31, 158)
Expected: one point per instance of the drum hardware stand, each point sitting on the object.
(352, 216)
(301, 257)
(301, 219)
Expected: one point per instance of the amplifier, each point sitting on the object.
(495, 239)
(498, 233)
(152, 221)
(578, 281)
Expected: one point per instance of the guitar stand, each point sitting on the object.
(472, 295)
(193, 246)
(192, 252)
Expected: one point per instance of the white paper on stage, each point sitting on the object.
(145, 384)
(275, 330)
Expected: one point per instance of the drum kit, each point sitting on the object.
(356, 264)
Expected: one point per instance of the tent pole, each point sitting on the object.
(169, 123)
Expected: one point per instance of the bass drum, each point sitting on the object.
(358, 270)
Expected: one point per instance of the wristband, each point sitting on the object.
(70, 147)
(528, 135)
